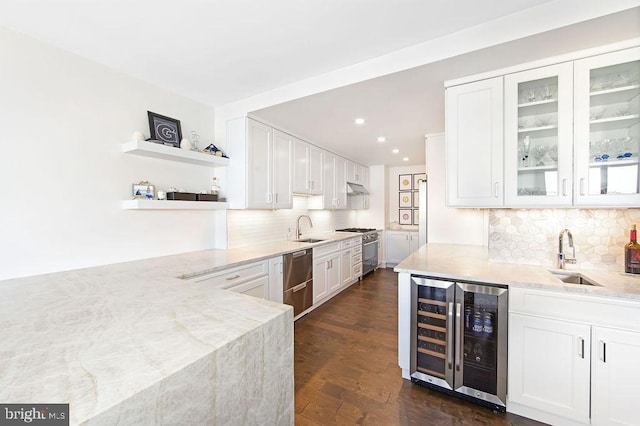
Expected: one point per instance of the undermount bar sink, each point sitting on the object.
(309, 240)
(572, 278)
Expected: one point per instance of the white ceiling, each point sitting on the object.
(221, 51)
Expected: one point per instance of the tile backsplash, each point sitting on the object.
(247, 227)
(530, 236)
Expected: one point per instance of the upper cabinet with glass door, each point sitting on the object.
(538, 136)
(607, 129)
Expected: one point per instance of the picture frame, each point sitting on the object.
(416, 216)
(404, 183)
(164, 129)
(404, 199)
(143, 190)
(416, 178)
(405, 216)
(416, 200)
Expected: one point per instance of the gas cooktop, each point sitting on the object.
(361, 230)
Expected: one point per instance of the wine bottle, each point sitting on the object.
(632, 254)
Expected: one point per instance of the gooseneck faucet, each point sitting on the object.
(298, 232)
(562, 259)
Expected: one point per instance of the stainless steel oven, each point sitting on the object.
(369, 248)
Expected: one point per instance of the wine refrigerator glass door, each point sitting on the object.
(481, 339)
(432, 331)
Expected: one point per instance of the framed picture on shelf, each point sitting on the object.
(418, 177)
(404, 199)
(405, 216)
(416, 200)
(404, 183)
(416, 216)
(165, 130)
(143, 190)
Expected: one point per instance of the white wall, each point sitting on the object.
(63, 121)
(448, 224)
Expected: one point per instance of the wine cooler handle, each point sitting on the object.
(450, 335)
(603, 351)
(458, 336)
(581, 347)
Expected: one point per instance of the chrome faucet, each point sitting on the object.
(562, 259)
(298, 232)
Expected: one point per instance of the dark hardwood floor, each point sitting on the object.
(346, 367)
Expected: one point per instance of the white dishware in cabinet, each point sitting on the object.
(538, 136)
(607, 129)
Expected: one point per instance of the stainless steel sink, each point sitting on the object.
(309, 240)
(572, 278)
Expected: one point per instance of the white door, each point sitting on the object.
(315, 170)
(259, 165)
(607, 133)
(414, 242)
(301, 179)
(258, 287)
(397, 246)
(474, 132)
(538, 148)
(346, 267)
(329, 181)
(282, 170)
(276, 277)
(615, 377)
(333, 272)
(320, 278)
(549, 362)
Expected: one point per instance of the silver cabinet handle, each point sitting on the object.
(269, 197)
(603, 351)
(581, 348)
(233, 277)
(276, 197)
(581, 186)
(450, 335)
(299, 287)
(564, 187)
(299, 253)
(496, 189)
(458, 336)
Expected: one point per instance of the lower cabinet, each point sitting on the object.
(276, 279)
(572, 358)
(326, 271)
(399, 245)
(257, 287)
(346, 267)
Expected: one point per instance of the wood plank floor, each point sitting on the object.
(346, 367)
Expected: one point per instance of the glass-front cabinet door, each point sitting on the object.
(607, 129)
(538, 136)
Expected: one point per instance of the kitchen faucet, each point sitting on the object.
(298, 233)
(561, 256)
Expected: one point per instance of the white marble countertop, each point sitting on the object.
(471, 263)
(94, 337)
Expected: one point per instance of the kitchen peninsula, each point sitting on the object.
(131, 343)
(569, 345)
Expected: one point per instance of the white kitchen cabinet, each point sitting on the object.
(549, 365)
(381, 248)
(570, 357)
(351, 261)
(307, 168)
(357, 173)
(474, 148)
(538, 136)
(326, 270)
(252, 279)
(276, 279)
(399, 245)
(346, 267)
(261, 176)
(607, 129)
(334, 184)
(614, 376)
(257, 287)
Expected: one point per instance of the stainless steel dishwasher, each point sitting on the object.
(298, 280)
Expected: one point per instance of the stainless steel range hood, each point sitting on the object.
(356, 189)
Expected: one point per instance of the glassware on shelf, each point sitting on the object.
(523, 123)
(531, 96)
(547, 92)
(623, 110)
(543, 121)
(553, 153)
(539, 151)
(597, 112)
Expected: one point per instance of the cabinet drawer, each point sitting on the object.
(256, 287)
(234, 276)
(357, 270)
(325, 249)
(596, 310)
(346, 244)
(357, 258)
(357, 248)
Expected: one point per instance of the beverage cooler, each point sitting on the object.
(459, 339)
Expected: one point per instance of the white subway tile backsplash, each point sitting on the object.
(247, 227)
(531, 236)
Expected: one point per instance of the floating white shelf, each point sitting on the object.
(173, 205)
(155, 150)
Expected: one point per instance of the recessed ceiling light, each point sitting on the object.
(405, 159)
(382, 139)
(395, 150)
(359, 121)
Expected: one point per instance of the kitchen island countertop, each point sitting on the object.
(471, 263)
